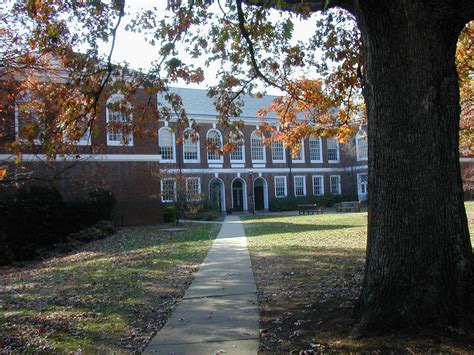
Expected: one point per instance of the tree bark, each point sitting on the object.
(419, 263)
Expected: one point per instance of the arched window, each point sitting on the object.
(166, 143)
(257, 148)
(361, 146)
(214, 140)
(238, 155)
(191, 146)
(119, 128)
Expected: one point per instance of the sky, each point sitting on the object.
(132, 48)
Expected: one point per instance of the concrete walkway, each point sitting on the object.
(219, 312)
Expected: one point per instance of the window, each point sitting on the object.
(214, 141)
(193, 189)
(280, 186)
(299, 157)
(278, 152)
(191, 146)
(318, 185)
(335, 184)
(26, 116)
(118, 121)
(361, 146)
(333, 150)
(238, 154)
(300, 186)
(168, 190)
(315, 151)
(256, 147)
(166, 143)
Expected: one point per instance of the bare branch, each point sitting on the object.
(304, 6)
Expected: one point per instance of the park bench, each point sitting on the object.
(348, 206)
(310, 209)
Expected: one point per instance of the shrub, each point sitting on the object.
(36, 218)
(102, 202)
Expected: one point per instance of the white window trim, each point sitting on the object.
(322, 184)
(174, 189)
(337, 151)
(302, 160)
(320, 160)
(243, 151)
(304, 185)
(198, 178)
(278, 161)
(173, 140)
(275, 186)
(358, 138)
(111, 99)
(221, 157)
(264, 160)
(198, 143)
(339, 184)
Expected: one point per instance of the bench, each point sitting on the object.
(309, 209)
(349, 206)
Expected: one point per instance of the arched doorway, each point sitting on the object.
(239, 195)
(216, 193)
(260, 194)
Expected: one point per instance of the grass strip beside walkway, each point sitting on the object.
(309, 271)
(111, 295)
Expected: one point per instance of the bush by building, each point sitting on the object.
(37, 218)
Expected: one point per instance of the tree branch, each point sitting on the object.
(251, 47)
(304, 6)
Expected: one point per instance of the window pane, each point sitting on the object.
(278, 151)
(299, 186)
(238, 153)
(317, 185)
(280, 186)
(168, 190)
(192, 189)
(166, 144)
(315, 149)
(214, 140)
(257, 148)
(333, 154)
(362, 148)
(190, 148)
(335, 184)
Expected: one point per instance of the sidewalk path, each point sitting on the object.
(219, 312)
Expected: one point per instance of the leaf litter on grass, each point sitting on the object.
(111, 295)
(309, 271)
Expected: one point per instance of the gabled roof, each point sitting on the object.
(198, 105)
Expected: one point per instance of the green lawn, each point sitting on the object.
(110, 296)
(309, 272)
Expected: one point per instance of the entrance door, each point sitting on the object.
(215, 193)
(258, 194)
(362, 187)
(237, 196)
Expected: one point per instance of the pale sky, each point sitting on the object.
(132, 48)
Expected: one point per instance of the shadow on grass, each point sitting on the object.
(259, 229)
(125, 283)
(306, 300)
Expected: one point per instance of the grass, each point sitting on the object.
(309, 271)
(111, 296)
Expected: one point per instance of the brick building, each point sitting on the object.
(143, 172)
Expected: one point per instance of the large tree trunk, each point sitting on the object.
(419, 255)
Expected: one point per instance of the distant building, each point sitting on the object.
(143, 172)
